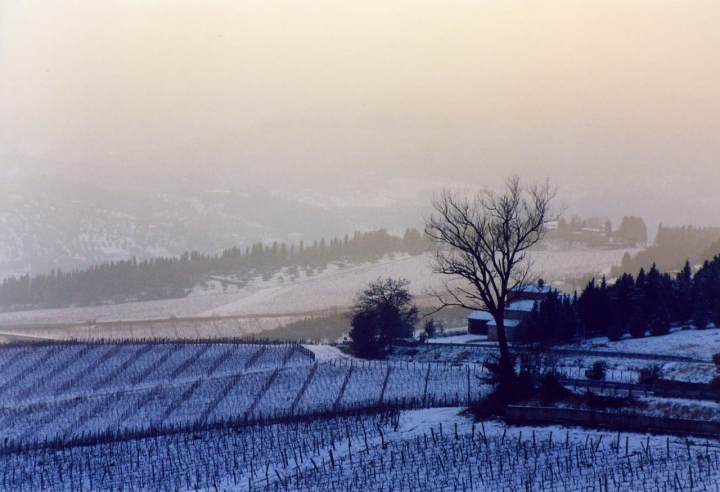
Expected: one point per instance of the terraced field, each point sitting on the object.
(64, 392)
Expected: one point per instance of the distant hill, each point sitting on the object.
(49, 223)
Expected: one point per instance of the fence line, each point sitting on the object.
(618, 421)
(645, 389)
(576, 352)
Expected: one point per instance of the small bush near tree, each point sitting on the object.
(537, 378)
(430, 327)
(650, 374)
(716, 361)
(715, 382)
(659, 327)
(603, 402)
(551, 389)
(715, 385)
(523, 383)
(597, 371)
(615, 331)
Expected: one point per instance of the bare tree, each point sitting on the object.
(483, 240)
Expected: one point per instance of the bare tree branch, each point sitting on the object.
(483, 239)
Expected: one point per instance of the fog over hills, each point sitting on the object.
(349, 115)
(55, 220)
(53, 223)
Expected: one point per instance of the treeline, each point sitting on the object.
(674, 245)
(361, 247)
(652, 301)
(166, 278)
(597, 232)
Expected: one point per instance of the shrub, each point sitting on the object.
(492, 366)
(716, 361)
(701, 316)
(715, 385)
(638, 326)
(650, 374)
(601, 402)
(615, 331)
(597, 371)
(551, 389)
(659, 327)
(429, 328)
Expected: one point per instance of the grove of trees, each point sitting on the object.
(672, 247)
(597, 232)
(649, 302)
(632, 230)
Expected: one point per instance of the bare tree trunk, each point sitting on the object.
(505, 360)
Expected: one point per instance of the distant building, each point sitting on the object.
(478, 322)
(516, 312)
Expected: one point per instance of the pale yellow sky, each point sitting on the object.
(585, 92)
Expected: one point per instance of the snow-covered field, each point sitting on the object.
(334, 287)
(423, 450)
(188, 329)
(698, 344)
(162, 416)
(68, 391)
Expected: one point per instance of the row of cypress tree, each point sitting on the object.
(165, 278)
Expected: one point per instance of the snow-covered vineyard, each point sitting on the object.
(433, 450)
(232, 416)
(68, 392)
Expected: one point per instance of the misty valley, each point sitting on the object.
(159, 368)
(361, 246)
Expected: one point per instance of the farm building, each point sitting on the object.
(478, 322)
(482, 323)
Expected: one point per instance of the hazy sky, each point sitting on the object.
(592, 94)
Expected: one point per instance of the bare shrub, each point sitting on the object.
(650, 374)
(598, 371)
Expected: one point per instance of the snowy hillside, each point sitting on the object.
(333, 287)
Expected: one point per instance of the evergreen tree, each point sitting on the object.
(621, 301)
(382, 311)
(633, 230)
(594, 308)
(683, 294)
(706, 294)
(554, 318)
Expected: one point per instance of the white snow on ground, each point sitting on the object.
(700, 344)
(417, 426)
(336, 287)
(415, 429)
(681, 409)
(325, 353)
(595, 448)
(418, 422)
(695, 373)
(464, 338)
(437, 449)
(333, 287)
